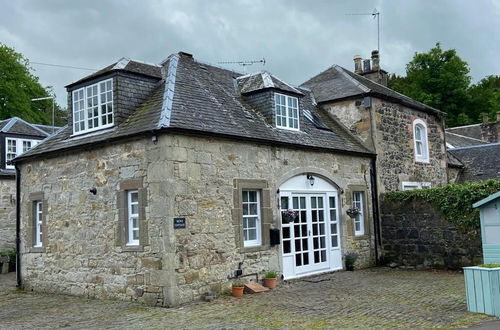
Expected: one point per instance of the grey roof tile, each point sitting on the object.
(480, 162)
(205, 102)
(337, 83)
(457, 140)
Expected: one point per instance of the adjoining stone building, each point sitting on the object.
(16, 136)
(170, 179)
(408, 136)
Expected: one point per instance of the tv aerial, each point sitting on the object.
(374, 14)
(244, 64)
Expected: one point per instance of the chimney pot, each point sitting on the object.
(366, 66)
(357, 64)
(485, 118)
(375, 60)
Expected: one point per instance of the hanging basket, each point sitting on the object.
(352, 212)
(289, 216)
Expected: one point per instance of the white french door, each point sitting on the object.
(310, 233)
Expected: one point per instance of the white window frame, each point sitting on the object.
(258, 232)
(38, 219)
(131, 217)
(423, 157)
(81, 101)
(360, 217)
(289, 109)
(334, 220)
(19, 145)
(412, 185)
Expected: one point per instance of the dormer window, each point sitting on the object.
(93, 107)
(287, 111)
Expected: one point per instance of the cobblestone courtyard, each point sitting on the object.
(377, 297)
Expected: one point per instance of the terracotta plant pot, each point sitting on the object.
(237, 291)
(270, 283)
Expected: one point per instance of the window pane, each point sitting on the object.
(134, 196)
(284, 203)
(252, 234)
(253, 209)
(251, 222)
(252, 196)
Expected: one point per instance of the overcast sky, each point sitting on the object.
(298, 39)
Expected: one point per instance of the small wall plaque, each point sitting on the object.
(179, 223)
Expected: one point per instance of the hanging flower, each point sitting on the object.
(353, 212)
(289, 216)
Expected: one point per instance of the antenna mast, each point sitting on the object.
(375, 14)
(244, 64)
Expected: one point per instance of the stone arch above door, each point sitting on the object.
(316, 172)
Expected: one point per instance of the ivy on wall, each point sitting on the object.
(454, 201)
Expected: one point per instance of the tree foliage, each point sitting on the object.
(484, 97)
(453, 200)
(440, 79)
(18, 86)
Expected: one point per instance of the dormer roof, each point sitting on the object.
(16, 125)
(127, 65)
(263, 80)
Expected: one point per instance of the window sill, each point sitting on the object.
(361, 237)
(423, 161)
(255, 248)
(132, 248)
(36, 249)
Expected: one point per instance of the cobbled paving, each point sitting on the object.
(372, 298)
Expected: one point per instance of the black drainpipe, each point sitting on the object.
(376, 220)
(18, 227)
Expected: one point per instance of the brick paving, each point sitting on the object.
(371, 298)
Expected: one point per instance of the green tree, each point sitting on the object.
(485, 98)
(440, 79)
(18, 86)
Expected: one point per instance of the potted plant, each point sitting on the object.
(353, 212)
(270, 279)
(289, 216)
(350, 259)
(481, 284)
(237, 288)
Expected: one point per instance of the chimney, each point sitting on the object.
(375, 61)
(357, 64)
(498, 116)
(485, 118)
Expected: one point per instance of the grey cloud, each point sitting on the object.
(297, 38)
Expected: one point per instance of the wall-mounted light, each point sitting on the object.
(310, 179)
(93, 190)
(154, 138)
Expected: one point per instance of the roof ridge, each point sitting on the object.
(467, 137)
(358, 84)
(168, 94)
(477, 146)
(392, 90)
(11, 123)
(32, 125)
(463, 126)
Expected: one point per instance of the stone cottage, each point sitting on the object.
(16, 136)
(171, 179)
(407, 136)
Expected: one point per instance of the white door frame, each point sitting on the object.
(298, 186)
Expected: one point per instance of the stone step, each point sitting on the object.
(254, 287)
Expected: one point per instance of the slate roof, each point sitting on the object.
(337, 83)
(196, 98)
(480, 162)
(128, 65)
(458, 141)
(16, 125)
(473, 131)
(262, 80)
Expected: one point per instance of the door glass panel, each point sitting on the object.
(318, 227)
(286, 232)
(286, 247)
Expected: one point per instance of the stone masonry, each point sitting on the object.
(413, 233)
(7, 213)
(388, 127)
(183, 176)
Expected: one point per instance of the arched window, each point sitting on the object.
(420, 141)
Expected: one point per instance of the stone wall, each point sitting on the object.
(414, 233)
(388, 126)
(184, 176)
(7, 213)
